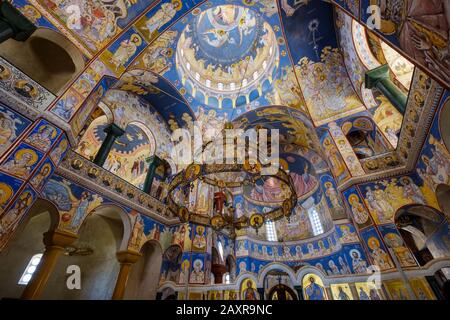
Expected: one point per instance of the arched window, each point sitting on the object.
(220, 249)
(47, 57)
(364, 137)
(271, 231)
(315, 221)
(226, 278)
(30, 269)
(129, 153)
(423, 230)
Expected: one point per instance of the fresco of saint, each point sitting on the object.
(314, 291)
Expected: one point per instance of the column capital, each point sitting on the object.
(59, 238)
(128, 257)
(375, 75)
(380, 78)
(114, 130)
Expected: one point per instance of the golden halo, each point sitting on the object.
(36, 14)
(54, 132)
(185, 264)
(328, 184)
(256, 220)
(62, 146)
(284, 164)
(353, 197)
(6, 73)
(21, 84)
(221, 184)
(252, 168)
(47, 165)
(169, 53)
(405, 180)
(200, 229)
(136, 36)
(373, 243)
(391, 236)
(22, 152)
(183, 214)
(217, 222)
(192, 172)
(6, 193)
(178, 4)
(26, 195)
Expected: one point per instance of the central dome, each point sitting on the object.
(227, 33)
(225, 54)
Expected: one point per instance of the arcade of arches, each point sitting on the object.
(115, 182)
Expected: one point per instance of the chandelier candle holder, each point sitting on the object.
(222, 217)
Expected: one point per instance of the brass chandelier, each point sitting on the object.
(225, 219)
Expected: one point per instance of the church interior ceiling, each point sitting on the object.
(358, 158)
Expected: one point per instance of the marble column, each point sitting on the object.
(55, 243)
(112, 133)
(126, 259)
(218, 270)
(380, 78)
(154, 162)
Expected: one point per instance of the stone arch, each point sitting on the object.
(148, 132)
(116, 212)
(171, 264)
(317, 281)
(127, 158)
(104, 232)
(302, 272)
(26, 241)
(282, 289)
(278, 267)
(419, 227)
(364, 137)
(47, 57)
(168, 291)
(144, 276)
(244, 276)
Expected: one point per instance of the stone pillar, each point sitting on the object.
(13, 24)
(55, 243)
(126, 259)
(299, 290)
(402, 273)
(354, 291)
(218, 270)
(261, 294)
(112, 133)
(329, 293)
(154, 162)
(380, 78)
